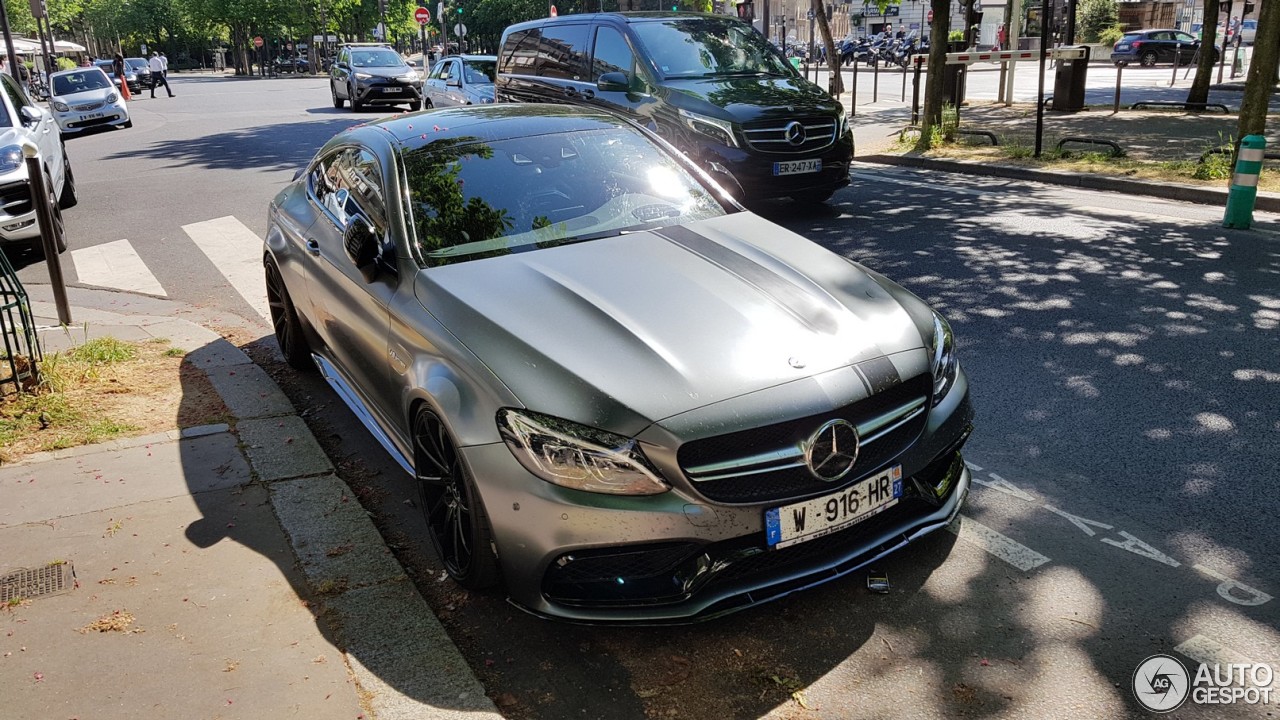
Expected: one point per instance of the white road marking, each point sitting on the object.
(998, 483)
(1137, 547)
(115, 265)
(1005, 548)
(1207, 651)
(237, 253)
(1082, 523)
(1256, 597)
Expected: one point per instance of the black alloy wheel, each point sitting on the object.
(285, 322)
(355, 102)
(456, 522)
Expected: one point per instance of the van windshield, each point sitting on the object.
(709, 47)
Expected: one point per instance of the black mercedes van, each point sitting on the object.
(710, 84)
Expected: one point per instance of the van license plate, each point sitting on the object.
(797, 167)
(814, 518)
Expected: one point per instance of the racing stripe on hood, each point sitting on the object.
(783, 293)
(879, 374)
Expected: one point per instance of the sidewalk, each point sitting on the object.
(218, 572)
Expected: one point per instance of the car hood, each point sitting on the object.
(96, 95)
(753, 98)
(388, 72)
(622, 332)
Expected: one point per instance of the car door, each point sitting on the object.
(562, 63)
(350, 314)
(612, 52)
(433, 87)
(340, 72)
(453, 84)
(1187, 46)
(44, 131)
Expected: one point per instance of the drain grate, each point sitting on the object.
(30, 583)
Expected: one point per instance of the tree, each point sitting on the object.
(933, 96)
(1096, 16)
(833, 57)
(1199, 92)
(1262, 72)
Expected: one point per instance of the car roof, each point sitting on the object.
(493, 58)
(491, 123)
(624, 17)
(76, 70)
(365, 45)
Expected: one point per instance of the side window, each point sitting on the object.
(520, 53)
(563, 52)
(365, 181)
(348, 182)
(454, 74)
(612, 54)
(437, 72)
(1184, 38)
(16, 94)
(328, 188)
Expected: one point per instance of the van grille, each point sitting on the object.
(780, 136)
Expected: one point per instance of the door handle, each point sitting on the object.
(588, 94)
(313, 247)
(570, 92)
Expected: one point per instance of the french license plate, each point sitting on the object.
(393, 89)
(797, 167)
(1122, 47)
(812, 519)
(93, 116)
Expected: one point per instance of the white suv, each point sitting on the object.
(20, 119)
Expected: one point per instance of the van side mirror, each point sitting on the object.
(613, 82)
(361, 244)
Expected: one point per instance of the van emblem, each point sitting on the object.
(794, 133)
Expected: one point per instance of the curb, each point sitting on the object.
(1267, 202)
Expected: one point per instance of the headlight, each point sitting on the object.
(721, 130)
(10, 158)
(410, 77)
(112, 98)
(486, 100)
(60, 106)
(363, 76)
(843, 122)
(576, 456)
(944, 362)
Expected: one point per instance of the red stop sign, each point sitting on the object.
(422, 15)
(930, 18)
(553, 11)
(257, 41)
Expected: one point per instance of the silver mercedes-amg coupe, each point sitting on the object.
(622, 395)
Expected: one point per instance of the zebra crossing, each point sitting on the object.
(236, 251)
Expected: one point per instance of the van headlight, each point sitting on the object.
(842, 122)
(720, 130)
(944, 362)
(575, 456)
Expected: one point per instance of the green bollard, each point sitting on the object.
(1244, 184)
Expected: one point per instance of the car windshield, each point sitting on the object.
(376, 57)
(472, 199)
(709, 47)
(480, 72)
(137, 63)
(78, 82)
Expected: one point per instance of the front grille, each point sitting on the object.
(771, 136)
(644, 574)
(766, 464)
(95, 121)
(88, 107)
(15, 199)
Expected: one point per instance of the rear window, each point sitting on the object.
(1131, 37)
(471, 200)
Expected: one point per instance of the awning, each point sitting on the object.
(21, 46)
(67, 46)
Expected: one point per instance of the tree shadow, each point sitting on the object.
(262, 148)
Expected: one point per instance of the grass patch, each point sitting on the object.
(105, 389)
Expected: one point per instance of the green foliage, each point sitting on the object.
(66, 63)
(955, 36)
(1216, 165)
(1111, 35)
(1096, 17)
(103, 351)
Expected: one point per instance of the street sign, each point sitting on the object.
(440, 11)
(553, 11)
(930, 17)
(257, 41)
(422, 15)
(460, 30)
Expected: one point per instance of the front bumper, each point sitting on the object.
(73, 122)
(388, 93)
(17, 213)
(753, 171)
(678, 557)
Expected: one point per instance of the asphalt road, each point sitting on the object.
(1122, 354)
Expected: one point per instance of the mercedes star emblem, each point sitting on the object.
(794, 133)
(831, 451)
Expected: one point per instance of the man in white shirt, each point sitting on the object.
(164, 61)
(157, 74)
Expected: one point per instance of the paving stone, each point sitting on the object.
(249, 392)
(282, 447)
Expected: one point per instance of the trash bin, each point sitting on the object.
(1068, 83)
(953, 84)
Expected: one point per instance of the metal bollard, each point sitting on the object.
(875, 83)
(1244, 183)
(853, 101)
(1115, 108)
(1177, 55)
(915, 91)
(44, 219)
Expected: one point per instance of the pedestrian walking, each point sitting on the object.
(164, 63)
(157, 75)
(117, 66)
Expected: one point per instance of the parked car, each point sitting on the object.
(1248, 31)
(618, 391)
(1150, 47)
(461, 80)
(710, 84)
(86, 98)
(142, 69)
(130, 75)
(373, 74)
(21, 119)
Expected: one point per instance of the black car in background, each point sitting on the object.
(709, 84)
(373, 74)
(130, 75)
(1151, 47)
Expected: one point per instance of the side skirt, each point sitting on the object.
(357, 406)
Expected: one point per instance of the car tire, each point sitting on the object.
(426, 103)
(355, 103)
(1148, 59)
(286, 323)
(68, 198)
(55, 211)
(337, 101)
(415, 106)
(456, 521)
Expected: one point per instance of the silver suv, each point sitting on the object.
(21, 119)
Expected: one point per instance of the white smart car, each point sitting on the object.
(86, 98)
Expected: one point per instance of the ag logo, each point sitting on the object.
(1161, 683)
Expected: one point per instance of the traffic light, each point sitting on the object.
(1248, 7)
(459, 9)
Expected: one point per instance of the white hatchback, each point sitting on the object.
(86, 98)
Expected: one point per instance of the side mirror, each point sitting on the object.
(362, 246)
(341, 66)
(453, 82)
(613, 82)
(32, 114)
